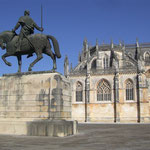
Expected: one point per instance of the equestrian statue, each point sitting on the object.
(27, 43)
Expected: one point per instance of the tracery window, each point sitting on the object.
(79, 92)
(129, 90)
(103, 91)
(106, 61)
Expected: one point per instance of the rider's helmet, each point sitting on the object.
(26, 12)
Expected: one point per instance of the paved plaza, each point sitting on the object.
(90, 137)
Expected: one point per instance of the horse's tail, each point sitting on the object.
(55, 45)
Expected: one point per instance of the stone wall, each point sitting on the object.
(27, 98)
(125, 111)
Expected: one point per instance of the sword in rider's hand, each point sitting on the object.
(41, 17)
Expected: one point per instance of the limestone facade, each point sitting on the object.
(111, 83)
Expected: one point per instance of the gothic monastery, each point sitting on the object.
(111, 83)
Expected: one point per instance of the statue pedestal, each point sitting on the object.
(36, 103)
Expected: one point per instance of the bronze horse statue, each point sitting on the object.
(35, 43)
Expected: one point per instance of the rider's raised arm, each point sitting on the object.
(37, 27)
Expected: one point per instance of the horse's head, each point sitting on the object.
(6, 37)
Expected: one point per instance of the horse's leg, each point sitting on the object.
(52, 55)
(19, 63)
(39, 57)
(6, 62)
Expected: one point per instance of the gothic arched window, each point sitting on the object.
(106, 61)
(147, 57)
(79, 92)
(103, 91)
(129, 90)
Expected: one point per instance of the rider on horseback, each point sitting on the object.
(27, 28)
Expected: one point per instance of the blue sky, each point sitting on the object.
(70, 21)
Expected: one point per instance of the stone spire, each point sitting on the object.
(96, 44)
(123, 48)
(137, 54)
(139, 58)
(66, 66)
(71, 69)
(79, 58)
(88, 54)
(85, 45)
(137, 42)
(120, 44)
(123, 45)
(112, 44)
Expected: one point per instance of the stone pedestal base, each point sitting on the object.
(56, 128)
(37, 103)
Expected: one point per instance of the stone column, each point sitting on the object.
(116, 98)
(87, 89)
(138, 99)
(142, 97)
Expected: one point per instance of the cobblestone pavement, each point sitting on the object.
(90, 137)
